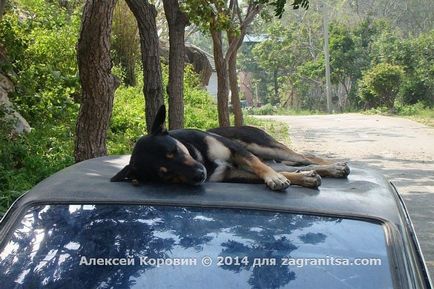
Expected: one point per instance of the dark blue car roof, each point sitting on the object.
(365, 193)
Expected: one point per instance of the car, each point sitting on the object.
(76, 229)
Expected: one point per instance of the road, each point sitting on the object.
(402, 149)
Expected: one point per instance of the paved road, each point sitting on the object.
(402, 149)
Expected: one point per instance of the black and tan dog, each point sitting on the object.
(231, 154)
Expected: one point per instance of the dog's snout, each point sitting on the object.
(200, 176)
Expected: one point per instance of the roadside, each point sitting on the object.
(401, 148)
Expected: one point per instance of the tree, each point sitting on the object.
(276, 54)
(177, 21)
(345, 69)
(97, 82)
(216, 17)
(380, 85)
(145, 14)
(125, 42)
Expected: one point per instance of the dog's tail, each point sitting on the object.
(123, 175)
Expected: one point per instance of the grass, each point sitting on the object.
(279, 130)
(425, 116)
(417, 112)
(269, 109)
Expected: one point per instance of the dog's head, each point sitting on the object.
(160, 157)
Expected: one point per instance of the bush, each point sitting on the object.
(200, 108)
(40, 43)
(380, 85)
(416, 57)
(27, 159)
(410, 110)
(419, 84)
(414, 90)
(267, 109)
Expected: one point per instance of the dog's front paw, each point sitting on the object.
(277, 182)
(311, 179)
(340, 170)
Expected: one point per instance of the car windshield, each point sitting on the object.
(135, 246)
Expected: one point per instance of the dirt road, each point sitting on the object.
(402, 149)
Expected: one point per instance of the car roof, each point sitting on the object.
(364, 194)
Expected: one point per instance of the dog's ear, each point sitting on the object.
(158, 126)
(125, 174)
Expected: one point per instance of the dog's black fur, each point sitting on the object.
(223, 154)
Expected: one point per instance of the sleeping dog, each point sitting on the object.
(227, 154)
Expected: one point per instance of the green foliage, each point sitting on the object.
(11, 40)
(207, 14)
(418, 112)
(380, 85)
(419, 83)
(128, 119)
(39, 38)
(280, 63)
(343, 54)
(40, 42)
(27, 159)
(200, 109)
(217, 15)
(416, 57)
(356, 46)
(267, 109)
(279, 130)
(127, 123)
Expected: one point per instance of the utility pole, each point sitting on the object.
(327, 57)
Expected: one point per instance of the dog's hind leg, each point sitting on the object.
(336, 170)
(265, 146)
(282, 153)
(308, 179)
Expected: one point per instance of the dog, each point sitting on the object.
(227, 154)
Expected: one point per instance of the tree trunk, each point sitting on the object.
(221, 66)
(177, 21)
(235, 95)
(2, 8)
(130, 72)
(145, 14)
(276, 87)
(233, 82)
(97, 82)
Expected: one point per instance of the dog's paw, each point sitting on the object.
(340, 170)
(277, 182)
(311, 179)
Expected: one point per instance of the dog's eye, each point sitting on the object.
(171, 154)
